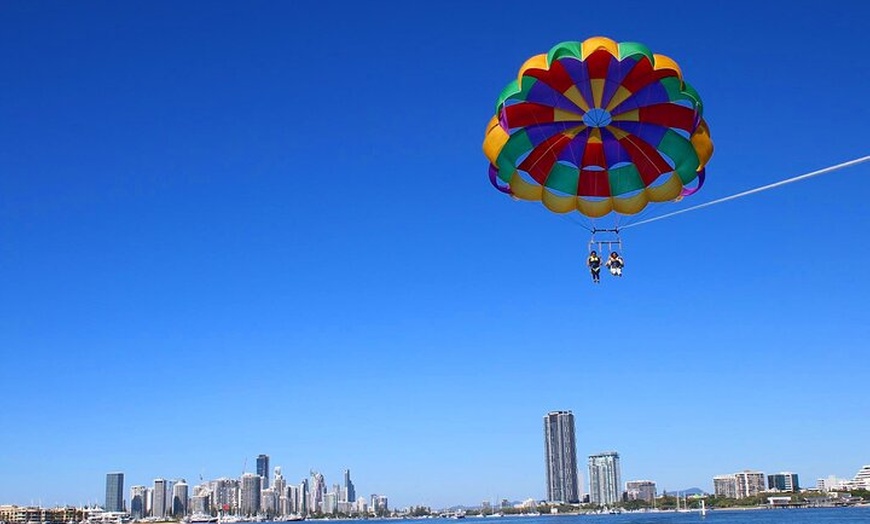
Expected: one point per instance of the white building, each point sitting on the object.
(749, 483)
(380, 505)
(269, 500)
(832, 483)
(862, 478)
(605, 484)
(725, 486)
(224, 495)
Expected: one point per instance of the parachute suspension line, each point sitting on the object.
(753, 191)
(574, 221)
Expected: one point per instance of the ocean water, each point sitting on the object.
(853, 515)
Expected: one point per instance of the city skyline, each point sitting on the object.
(172, 497)
(270, 228)
(604, 470)
(249, 495)
(604, 473)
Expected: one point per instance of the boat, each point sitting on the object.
(199, 518)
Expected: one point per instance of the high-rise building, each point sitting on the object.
(170, 489)
(179, 498)
(349, 489)
(330, 503)
(114, 491)
(605, 485)
(225, 494)
(644, 490)
(158, 503)
(380, 506)
(749, 483)
(560, 454)
(725, 486)
(200, 503)
(304, 498)
(263, 469)
(294, 500)
(280, 488)
(249, 497)
(269, 502)
(785, 481)
(318, 490)
(138, 502)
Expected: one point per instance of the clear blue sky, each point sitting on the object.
(266, 227)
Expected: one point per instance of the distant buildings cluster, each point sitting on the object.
(750, 483)
(265, 493)
(605, 484)
(861, 480)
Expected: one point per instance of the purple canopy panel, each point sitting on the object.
(702, 175)
(493, 179)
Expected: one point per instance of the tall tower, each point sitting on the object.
(560, 452)
(158, 503)
(180, 498)
(349, 491)
(115, 491)
(263, 469)
(605, 484)
(318, 490)
(280, 484)
(138, 502)
(304, 498)
(249, 503)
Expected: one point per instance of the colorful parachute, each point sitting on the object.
(598, 126)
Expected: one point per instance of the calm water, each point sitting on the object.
(762, 516)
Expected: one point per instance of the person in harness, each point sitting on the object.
(594, 264)
(615, 264)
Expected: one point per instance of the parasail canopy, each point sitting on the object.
(598, 127)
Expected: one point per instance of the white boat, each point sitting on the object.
(198, 518)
